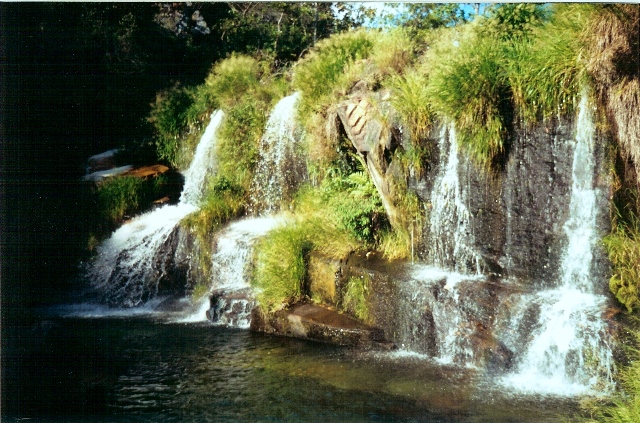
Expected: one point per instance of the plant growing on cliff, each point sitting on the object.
(546, 69)
(280, 268)
(623, 246)
(355, 297)
(321, 72)
(119, 196)
(466, 84)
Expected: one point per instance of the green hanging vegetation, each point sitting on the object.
(355, 297)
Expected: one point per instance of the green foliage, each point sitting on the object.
(514, 20)
(355, 205)
(119, 196)
(419, 17)
(281, 266)
(355, 297)
(232, 78)
(238, 143)
(624, 407)
(546, 70)
(320, 73)
(412, 101)
(623, 246)
(466, 84)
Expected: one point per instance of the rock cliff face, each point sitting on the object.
(515, 213)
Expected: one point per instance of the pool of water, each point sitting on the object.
(150, 368)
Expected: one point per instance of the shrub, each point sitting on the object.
(355, 205)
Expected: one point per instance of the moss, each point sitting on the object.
(355, 297)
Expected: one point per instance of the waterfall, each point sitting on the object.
(451, 236)
(231, 300)
(279, 166)
(278, 172)
(131, 263)
(436, 323)
(569, 348)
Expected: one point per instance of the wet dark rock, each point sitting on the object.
(231, 307)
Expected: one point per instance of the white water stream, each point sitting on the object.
(569, 351)
(278, 169)
(129, 264)
(451, 236)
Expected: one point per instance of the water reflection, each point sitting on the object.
(147, 369)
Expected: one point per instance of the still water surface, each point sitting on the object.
(147, 368)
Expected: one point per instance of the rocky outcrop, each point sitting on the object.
(318, 323)
(516, 211)
(375, 140)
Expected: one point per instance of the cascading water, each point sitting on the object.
(451, 235)
(569, 349)
(232, 299)
(132, 262)
(279, 166)
(278, 172)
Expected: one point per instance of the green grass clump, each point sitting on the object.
(466, 84)
(547, 70)
(119, 196)
(412, 101)
(238, 142)
(281, 266)
(355, 297)
(624, 406)
(321, 72)
(231, 78)
(623, 246)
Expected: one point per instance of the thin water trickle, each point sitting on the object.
(452, 241)
(231, 271)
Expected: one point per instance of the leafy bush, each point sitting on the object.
(355, 205)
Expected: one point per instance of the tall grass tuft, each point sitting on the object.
(281, 266)
(355, 298)
(623, 246)
(120, 196)
(321, 72)
(546, 71)
(412, 101)
(231, 78)
(625, 405)
(466, 84)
